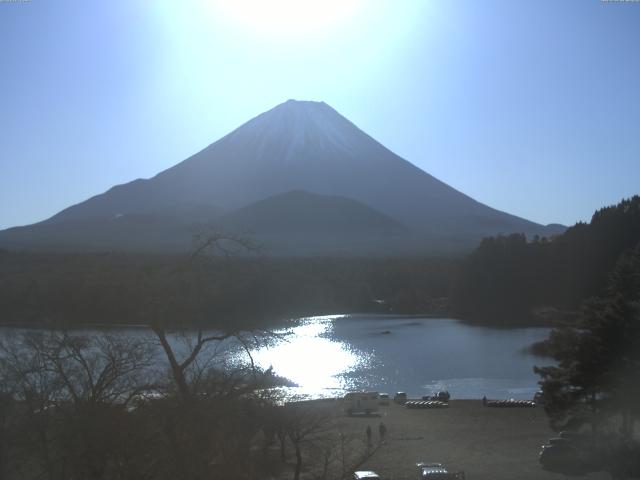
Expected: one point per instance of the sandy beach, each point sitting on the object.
(487, 443)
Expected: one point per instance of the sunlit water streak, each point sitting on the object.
(330, 355)
(311, 359)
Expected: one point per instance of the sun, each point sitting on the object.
(287, 18)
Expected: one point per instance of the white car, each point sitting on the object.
(361, 402)
(366, 475)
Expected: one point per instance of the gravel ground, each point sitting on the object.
(487, 443)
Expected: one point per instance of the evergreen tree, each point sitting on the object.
(598, 371)
(507, 279)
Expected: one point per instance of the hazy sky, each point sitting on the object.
(530, 107)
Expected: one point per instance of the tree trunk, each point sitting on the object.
(283, 447)
(176, 369)
(296, 474)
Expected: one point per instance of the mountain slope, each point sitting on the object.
(167, 231)
(305, 146)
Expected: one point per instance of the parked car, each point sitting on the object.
(365, 475)
(560, 457)
(578, 453)
(400, 397)
(538, 397)
(441, 396)
(361, 402)
(384, 399)
(437, 471)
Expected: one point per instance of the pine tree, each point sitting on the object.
(598, 371)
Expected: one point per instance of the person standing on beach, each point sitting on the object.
(382, 430)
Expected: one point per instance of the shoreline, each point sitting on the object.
(386, 315)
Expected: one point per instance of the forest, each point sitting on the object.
(512, 280)
(68, 290)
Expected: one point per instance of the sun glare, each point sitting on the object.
(282, 18)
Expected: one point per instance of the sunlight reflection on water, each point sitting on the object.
(310, 358)
(328, 355)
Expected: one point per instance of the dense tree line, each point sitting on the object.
(111, 288)
(509, 279)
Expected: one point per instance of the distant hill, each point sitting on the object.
(298, 222)
(296, 146)
(304, 212)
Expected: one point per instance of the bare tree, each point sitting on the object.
(180, 367)
(203, 263)
(71, 394)
(304, 425)
(319, 447)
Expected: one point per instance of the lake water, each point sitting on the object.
(329, 355)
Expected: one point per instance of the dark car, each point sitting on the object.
(441, 396)
(400, 397)
(538, 398)
(562, 457)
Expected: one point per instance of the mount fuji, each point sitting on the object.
(301, 179)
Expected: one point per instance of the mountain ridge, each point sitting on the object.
(308, 146)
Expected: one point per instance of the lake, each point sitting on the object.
(329, 355)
